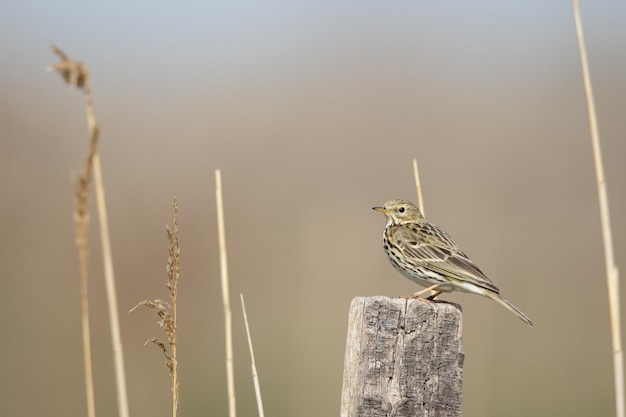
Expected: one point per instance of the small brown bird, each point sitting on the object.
(426, 255)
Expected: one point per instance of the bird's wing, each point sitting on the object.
(434, 249)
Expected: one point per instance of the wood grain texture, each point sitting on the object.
(403, 358)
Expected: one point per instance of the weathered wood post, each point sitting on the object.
(403, 358)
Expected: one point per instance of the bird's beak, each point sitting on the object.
(381, 209)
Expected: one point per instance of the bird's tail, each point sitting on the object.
(509, 306)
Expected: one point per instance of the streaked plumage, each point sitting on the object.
(425, 254)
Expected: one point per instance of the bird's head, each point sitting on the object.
(400, 212)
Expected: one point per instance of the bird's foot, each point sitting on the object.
(433, 295)
(425, 290)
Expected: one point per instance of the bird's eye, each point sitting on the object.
(401, 209)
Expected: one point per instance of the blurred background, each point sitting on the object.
(313, 111)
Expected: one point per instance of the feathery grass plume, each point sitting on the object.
(73, 72)
(228, 321)
(612, 275)
(76, 74)
(167, 310)
(255, 375)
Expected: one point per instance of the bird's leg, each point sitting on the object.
(425, 290)
(433, 295)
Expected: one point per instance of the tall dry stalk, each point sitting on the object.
(76, 74)
(109, 280)
(612, 274)
(255, 375)
(228, 325)
(418, 186)
(167, 310)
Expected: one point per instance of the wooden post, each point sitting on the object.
(403, 358)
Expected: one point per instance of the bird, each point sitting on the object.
(425, 254)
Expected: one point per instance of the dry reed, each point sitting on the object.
(612, 274)
(255, 375)
(418, 186)
(76, 74)
(230, 372)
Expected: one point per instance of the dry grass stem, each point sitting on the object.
(418, 186)
(255, 375)
(167, 310)
(76, 74)
(230, 372)
(109, 280)
(611, 269)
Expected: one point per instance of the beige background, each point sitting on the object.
(313, 111)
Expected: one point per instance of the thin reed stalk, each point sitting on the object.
(255, 375)
(109, 280)
(76, 73)
(82, 188)
(84, 303)
(173, 274)
(230, 372)
(612, 274)
(418, 186)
